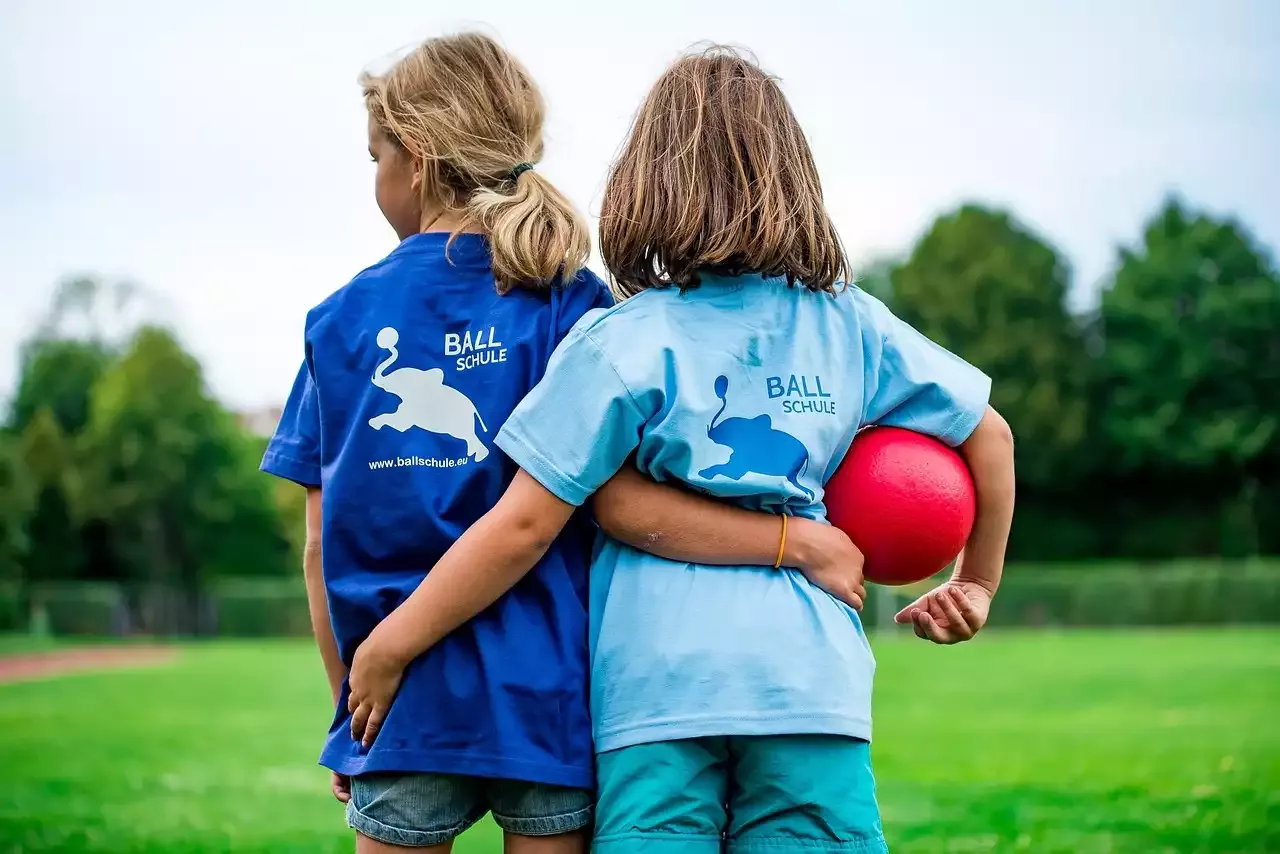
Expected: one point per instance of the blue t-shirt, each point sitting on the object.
(410, 371)
(752, 391)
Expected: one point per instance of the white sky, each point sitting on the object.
(215, 153)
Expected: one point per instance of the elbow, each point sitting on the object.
(618, 513)
(606, 507)
(311, 557)
(530, 533)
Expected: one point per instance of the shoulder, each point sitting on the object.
(352, 295)
(620, 341)
(870, 315)
(584, 293)
(614, 323)
(586, 288)
(600, 336)
(855, 299)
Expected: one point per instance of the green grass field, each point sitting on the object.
(1090, 743)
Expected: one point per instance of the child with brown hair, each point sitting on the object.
(408, 369)
(731, 707)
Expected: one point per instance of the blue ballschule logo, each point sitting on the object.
(757, 448)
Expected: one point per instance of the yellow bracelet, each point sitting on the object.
(782, 545)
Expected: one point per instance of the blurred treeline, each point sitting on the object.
(1148, 428)
(117, 466)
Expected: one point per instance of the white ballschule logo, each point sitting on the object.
(425, 401)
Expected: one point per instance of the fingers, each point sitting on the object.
(341, 786)
(957, 627)
(359, 719)
(968, 611)
(926, 603)
(935, 607)
(945, 616)
(927, 628)
(917, 624)
(853, 595)
(906, 614)
(374, 726)
(366, 722)
(841, 585)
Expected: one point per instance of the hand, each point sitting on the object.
(340, 784)
(951, 613)
(375, 677)
(828, 558)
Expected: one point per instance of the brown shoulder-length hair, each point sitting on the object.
(717, 176)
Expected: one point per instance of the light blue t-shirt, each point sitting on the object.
(752, 391)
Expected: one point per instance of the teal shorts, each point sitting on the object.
(739, 794)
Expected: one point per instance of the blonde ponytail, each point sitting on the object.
(535, 234)
(471, 116)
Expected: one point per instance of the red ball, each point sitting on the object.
(906, 501)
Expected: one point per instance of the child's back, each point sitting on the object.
(409, 372)
(732, 705)
(413, 367)
(751, 390)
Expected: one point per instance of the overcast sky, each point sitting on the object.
(215, 153)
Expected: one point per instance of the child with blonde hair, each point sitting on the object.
(409, 371)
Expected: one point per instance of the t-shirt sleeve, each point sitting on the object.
(294, 451)
(578, 425)
(587, 293)
(915, 384)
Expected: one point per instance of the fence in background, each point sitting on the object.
(1190, 593)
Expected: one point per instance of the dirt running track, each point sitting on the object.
(41, 665)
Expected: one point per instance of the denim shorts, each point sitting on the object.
(417, 810)
(808, 794)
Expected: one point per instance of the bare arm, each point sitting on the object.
(317, 601)
(485, 562)
(680, 525)
(989, 454)
(505, 543)
(958, 610)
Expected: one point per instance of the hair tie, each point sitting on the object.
(519, 170)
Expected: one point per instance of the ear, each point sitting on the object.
(415, 183)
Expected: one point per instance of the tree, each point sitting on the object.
(1187, 383)
(58, 374)
(260, 539)
(69, 350)
(1190, 368)
(17, 502)
(49, 410)
(985, 287)
(56, 547)
(167, 467)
